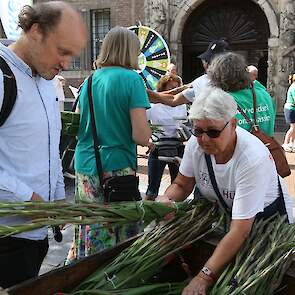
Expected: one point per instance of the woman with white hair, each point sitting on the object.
(229, 165)
(119, 102)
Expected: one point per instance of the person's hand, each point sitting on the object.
(177, 160)
(164, 199)
(197, 286)
(36, 198)
(151, 147)
(168, 202)
(153, 96)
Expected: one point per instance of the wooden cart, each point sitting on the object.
(66, 278)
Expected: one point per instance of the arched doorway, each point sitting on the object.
(242, 23)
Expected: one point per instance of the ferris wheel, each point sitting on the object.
(154, 57)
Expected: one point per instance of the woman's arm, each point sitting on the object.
(141, 131)
(223, 254)
(167, 99)
(179, 190)
(176, 90)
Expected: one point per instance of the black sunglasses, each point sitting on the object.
(212, 133)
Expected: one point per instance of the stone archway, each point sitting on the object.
(189, 7)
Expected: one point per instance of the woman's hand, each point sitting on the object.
(164, 199)
(151, 147)
(168, 202)
(197, 286)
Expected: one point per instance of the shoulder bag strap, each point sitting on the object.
(283, 209)
(253, 125)
(214, 184)
(256, 126)
(94, 133)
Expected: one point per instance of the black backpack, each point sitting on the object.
(10, 91)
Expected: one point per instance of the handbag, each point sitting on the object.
(114, 188)
(274, 147)
(169, 147)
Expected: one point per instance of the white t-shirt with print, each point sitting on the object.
(197, 85)
(247, 182)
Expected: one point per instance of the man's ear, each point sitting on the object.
(35, 33)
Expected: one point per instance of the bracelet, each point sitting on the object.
(205, 278)
(209, 273)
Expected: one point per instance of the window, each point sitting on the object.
(75, 64)
(100, 25)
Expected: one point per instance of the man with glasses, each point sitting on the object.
(230, 166)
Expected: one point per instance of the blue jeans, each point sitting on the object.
(155, 172)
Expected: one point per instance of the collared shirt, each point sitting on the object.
(29, 142)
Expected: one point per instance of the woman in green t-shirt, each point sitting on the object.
(289, 111)
(119, 102)
(228, 71)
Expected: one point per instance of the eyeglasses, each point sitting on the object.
(212, 133)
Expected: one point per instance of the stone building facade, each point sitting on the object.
(262, 30)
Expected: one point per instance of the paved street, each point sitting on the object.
(58, 251)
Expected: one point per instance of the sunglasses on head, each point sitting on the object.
(212, 133)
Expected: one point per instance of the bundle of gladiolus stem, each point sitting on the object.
(41, 214)
(258, 268)
(147, 255)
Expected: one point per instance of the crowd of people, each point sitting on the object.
(222, 160)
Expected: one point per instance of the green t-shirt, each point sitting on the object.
(290, 102)
(265, 110)
(115, 91)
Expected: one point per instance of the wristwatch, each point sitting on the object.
(206, 271)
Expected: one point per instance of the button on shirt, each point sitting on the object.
(29, 142)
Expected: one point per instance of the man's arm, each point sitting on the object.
(176, 90)
(141, 131)
(166, 98)
(12, 185)
(59, 194)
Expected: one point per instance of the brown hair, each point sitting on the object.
(228, 71)
(291, 78)
(164, 80)
(47, 15)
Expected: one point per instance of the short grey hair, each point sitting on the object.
(251, 69)
(228, 71)
(214, 104)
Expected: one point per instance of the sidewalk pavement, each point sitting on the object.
(58, 251)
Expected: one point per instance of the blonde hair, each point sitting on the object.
(120, 47)
(291, 78)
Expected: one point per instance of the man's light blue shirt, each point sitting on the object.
(29, 142)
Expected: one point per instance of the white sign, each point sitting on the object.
(9, 10)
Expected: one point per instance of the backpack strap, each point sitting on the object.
(10, 90)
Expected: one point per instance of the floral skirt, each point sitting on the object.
(90, 239)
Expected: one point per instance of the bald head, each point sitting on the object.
(253, 72)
